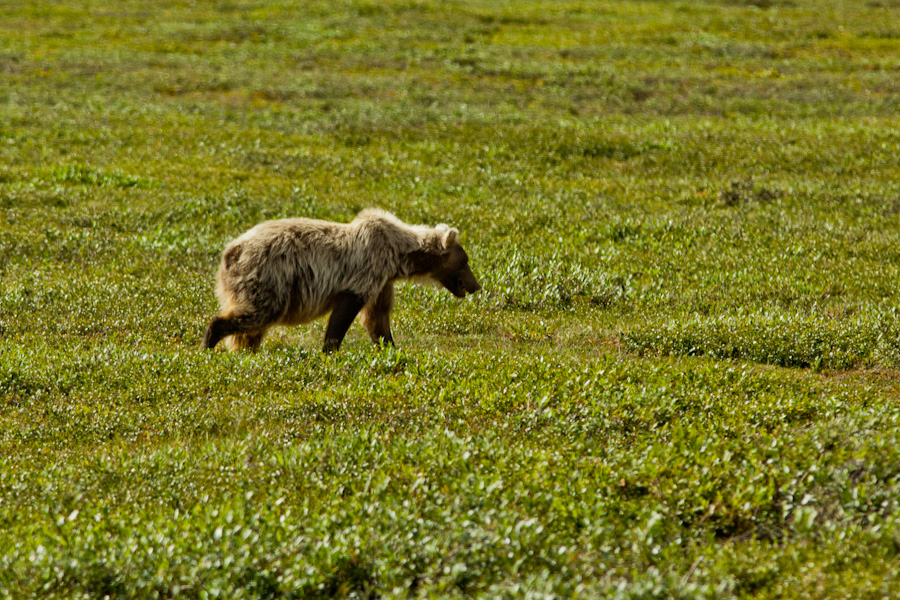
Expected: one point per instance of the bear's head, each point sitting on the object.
(443, 260)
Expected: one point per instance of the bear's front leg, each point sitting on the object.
(346, 306)
(376, 316)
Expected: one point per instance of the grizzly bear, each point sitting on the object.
(292, 271)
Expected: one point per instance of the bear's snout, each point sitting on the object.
(468, 283)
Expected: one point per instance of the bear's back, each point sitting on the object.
(293, 231)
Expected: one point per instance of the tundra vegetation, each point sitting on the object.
(679, 381)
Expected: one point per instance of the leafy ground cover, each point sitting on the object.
(680, 378)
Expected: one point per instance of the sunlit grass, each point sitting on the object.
(678, 381)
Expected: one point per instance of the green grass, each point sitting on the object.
(679, 381)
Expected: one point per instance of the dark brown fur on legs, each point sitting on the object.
(346, 306)
(218, 329)
(246, 331)
(376, 316)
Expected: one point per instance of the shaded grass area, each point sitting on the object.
(678, 381)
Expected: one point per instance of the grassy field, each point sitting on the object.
(682, 376)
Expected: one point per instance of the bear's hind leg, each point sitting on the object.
(218, 329)
(247, 330)
(249, 317)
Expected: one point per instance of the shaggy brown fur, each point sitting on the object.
(292, 271)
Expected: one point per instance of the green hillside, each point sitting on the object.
(680, 380)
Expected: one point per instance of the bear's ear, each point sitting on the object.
(447, 235)
(444, 236)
